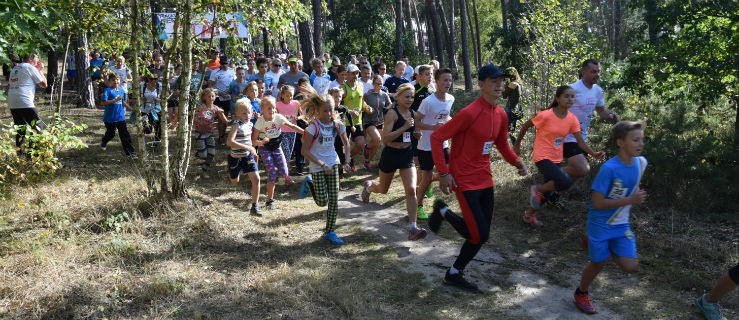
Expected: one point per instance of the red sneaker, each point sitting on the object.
(582, 302)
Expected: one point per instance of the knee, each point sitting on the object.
(580, 171)
(563, 183)
(630, 267)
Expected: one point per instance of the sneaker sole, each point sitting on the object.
(583, 309)
(454, 285)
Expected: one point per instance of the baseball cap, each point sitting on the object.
(491, 71)
(352, 68)
(292, 59)
(223, 59)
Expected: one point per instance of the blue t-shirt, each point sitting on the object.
(313, 77)
(393, 83)
(113, 112)
(255, 109)
(96, 65)
(615, 180)
(267, 80)
(236, 88)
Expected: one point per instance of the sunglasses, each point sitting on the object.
(277, 65)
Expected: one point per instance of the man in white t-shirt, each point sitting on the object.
(365, 77)
(123, 72)
(588, 98)
(21, 90)
(220, 79)
(432, 113)
(320, 80)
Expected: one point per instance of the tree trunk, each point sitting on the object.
(265, 39)
(420, 42)
(465, 46)
(52, 74)
(430, 38)
(305, 42)
(85, 90)
(504, 15)
(398, 29)
(472, 33)
(407, 15)
(452, 40)
(438, 49)
(317, 21)
(181, 159)
(446, 34)
(133, 99)
(165, 178)
(155, 8)
(64, 69)
(478, 45)
(617, 18)
(651, 13)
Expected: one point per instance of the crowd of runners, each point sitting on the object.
(332, 116)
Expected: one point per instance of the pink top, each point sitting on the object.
(290, 111)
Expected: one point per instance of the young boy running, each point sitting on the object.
(615, 190)
(432, 113)
(242, 158)
(473, 130)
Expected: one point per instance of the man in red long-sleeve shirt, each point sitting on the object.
(474, 131)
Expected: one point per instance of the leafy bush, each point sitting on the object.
(39, 157)
(693, 161)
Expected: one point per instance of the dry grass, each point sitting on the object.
(88, 244)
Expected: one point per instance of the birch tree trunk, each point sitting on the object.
(185, 110)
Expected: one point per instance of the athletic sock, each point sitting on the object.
(413, 225)
(453, 270)
(577, 291)
(443, 211)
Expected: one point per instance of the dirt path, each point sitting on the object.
(533, 296)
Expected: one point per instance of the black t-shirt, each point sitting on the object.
(421, 93)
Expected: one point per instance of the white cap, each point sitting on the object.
(352, 68)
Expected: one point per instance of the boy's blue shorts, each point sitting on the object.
(617, 241)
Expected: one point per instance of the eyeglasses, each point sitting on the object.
(277, 65)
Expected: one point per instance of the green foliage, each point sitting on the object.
(697, 42)
(117, 221)
(688, 149)
(41, 149)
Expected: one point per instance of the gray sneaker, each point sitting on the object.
(255, 210)
(270, 204)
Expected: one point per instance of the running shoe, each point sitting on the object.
(530, 218)
(255, 210)
(712, 311)
(270, 204)
(421, 215)
(365, 191)
(582, 302)
(103, 147)
(536, 198)
(436, 217)
(430, 192)
(417, 234)
(458, 280)
(305, 188)
(333, 238)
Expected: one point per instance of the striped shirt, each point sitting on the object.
(243, 136)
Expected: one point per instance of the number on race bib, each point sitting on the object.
(487, 148)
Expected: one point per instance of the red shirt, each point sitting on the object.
(473, 130)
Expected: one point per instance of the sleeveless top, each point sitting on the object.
(400, 123)
(243, 136)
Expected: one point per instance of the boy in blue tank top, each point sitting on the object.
(615, 190)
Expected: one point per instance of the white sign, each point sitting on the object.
(234, 25)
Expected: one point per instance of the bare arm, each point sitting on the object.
(585, 147)
(521, 133)
(606, 114)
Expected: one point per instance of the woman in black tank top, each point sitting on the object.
(398, 155)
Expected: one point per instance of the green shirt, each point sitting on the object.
(353, 100)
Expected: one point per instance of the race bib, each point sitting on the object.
(406, 136)
(326, 140)
(487, 148)
(441, 116)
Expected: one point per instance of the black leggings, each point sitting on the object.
(552, 171)
(474, 224)
(734, 274)
(23, 117)
(110, 128)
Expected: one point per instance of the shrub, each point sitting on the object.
(39, 156)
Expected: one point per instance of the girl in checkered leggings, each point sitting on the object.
(318, 148)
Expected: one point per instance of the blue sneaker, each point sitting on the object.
(305, 187)
(712, 311)
(333, 238)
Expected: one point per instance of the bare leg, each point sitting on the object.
(409, 184)
(589, 273)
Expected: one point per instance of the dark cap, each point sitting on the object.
(223, 59)
(491, 71)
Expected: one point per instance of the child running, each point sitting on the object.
(432, 113)
(242, 158)
(615, 190)
(114, 116)
(318, 147)
(288, 107)
(205, 115)
(398, 154)
(275, 165)
(342, 113)
(552, 125)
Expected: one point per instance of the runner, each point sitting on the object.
(615, 190)
(398, 155)
(473, 130)
(552, 125)
(433, 112)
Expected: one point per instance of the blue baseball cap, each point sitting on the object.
(491, 71)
